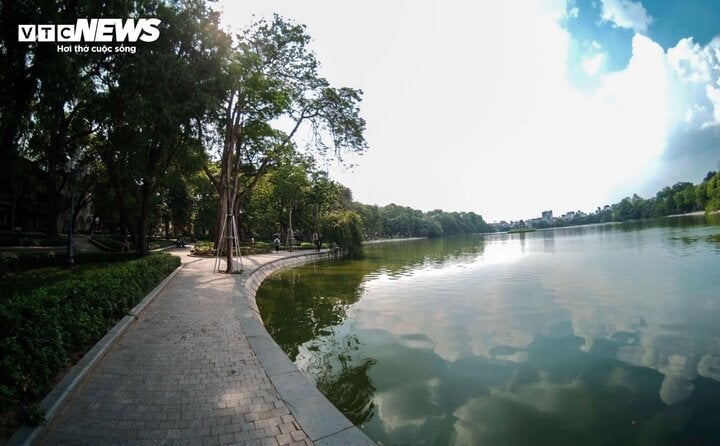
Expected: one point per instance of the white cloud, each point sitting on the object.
(690, 61)
(626, 14)
(471, 109)
(592, 64)
(696, 71)
(713, 95)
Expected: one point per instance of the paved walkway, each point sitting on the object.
(183, 373)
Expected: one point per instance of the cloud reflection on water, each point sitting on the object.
(541, 336)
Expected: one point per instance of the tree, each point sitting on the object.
(713, 194)
(275, 79)
(205, 204)
(372, 220)
(291, 185)
(157, 101)
(345, 229)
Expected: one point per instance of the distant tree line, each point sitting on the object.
(401, 221)
(681, 198)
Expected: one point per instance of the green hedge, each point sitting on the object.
(115, 242)
(23, 260)
(43, 329)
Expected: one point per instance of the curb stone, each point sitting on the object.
(323, 422)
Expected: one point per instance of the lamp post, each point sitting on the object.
(239, 238)
(69, 261)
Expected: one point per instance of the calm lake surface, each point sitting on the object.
(606, 334)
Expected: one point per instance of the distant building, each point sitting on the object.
(547, 215)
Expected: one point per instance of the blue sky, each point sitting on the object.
(665, 22)
(511, 108)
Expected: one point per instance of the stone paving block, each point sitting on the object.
(197, 367)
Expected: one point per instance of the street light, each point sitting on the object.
(69, 261)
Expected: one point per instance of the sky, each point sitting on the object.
(508, 109)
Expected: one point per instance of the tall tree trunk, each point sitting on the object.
(221, 219)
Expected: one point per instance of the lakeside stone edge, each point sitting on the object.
(322, 421)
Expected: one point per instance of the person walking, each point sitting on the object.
(276, 242)
(316, 241)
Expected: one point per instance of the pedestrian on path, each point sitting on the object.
(276, 242)
(316, 241)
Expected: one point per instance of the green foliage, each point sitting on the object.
(24, 260)
(205, 203)
(401, 221)
(681, 198)
(345, 229)
(256, 249)
(42, 329)
(713, 194)
(274, 80)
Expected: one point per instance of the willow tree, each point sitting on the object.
(275, 91)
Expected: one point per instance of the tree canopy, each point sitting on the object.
(199, 126)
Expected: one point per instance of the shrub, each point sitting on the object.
(258, 249)
(41, 330)
(24, 260)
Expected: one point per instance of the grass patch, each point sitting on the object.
(57, 315)
(160, 243)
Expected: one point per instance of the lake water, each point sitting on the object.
(606, 334)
